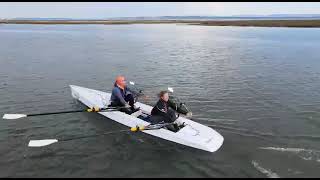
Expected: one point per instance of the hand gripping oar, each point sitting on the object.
(46, 142)
(94, 109)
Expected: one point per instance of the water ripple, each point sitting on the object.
(267, 172)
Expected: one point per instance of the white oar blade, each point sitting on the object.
(13, 116)
(40, 143)
(170, 89)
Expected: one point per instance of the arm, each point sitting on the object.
(132, 91)
(171, 104)
(117, 93)
(177, 106)
(128, 90)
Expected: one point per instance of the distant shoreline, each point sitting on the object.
(252, 23)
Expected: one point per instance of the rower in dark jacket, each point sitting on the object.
(162, 112)
(122, 96)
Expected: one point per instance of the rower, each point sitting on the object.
(162, 112)
(122, 96)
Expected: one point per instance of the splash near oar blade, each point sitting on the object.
(40, 143)
(13, 116)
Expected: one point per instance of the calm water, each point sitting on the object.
(258, 87)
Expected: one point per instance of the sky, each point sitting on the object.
(134, 9)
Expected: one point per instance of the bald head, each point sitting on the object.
(121, 81)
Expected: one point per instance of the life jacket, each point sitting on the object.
(115, 101)
(162, 112)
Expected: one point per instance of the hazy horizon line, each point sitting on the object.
(239, 15)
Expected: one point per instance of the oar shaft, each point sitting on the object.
(60, 112)
(94, 135)
(75, 111)
(113, 132)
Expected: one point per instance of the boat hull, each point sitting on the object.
(193, 134)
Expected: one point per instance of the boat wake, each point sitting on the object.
(221, 121)
(305, 154)
(267, 172)
(251, 133)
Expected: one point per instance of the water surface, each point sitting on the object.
(258, 87)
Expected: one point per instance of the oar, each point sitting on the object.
(139, 92)
(46, 142)
(17, 116)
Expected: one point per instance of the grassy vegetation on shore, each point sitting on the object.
(264, 23)
(92, 21)
(256, 23)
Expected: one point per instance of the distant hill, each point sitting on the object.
(236, 17)
(42, 19)
(281, 15)
(272, 16)
(294, 15)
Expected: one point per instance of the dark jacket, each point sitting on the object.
(163, 110)
(118, 95)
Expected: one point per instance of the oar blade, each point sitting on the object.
(40, 143)
(13, 116)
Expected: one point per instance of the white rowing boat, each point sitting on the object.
(193, 134)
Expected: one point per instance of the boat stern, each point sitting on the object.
(213, 143)
(201, 137)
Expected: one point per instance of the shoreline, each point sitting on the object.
(243, 23)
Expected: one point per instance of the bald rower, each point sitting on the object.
(122, 96)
